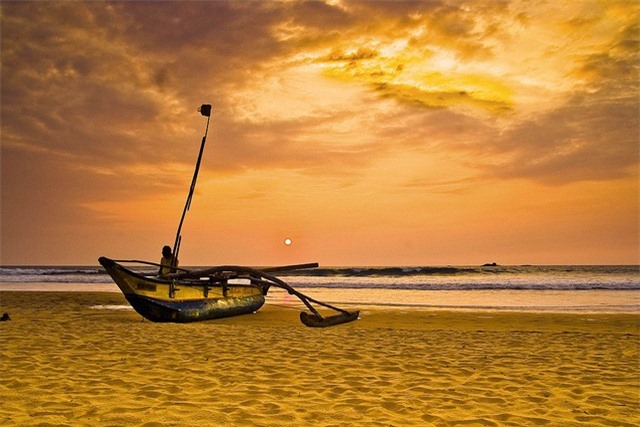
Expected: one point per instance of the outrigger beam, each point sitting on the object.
(315, 320)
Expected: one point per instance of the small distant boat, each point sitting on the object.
(212, 293)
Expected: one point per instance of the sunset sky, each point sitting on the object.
(370, 133)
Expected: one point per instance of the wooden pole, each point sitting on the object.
(205, 110)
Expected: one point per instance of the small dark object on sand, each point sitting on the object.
(5, 317)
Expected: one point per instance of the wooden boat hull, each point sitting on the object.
(158, 310)
(170, 300)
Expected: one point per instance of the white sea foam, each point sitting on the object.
(111, 307)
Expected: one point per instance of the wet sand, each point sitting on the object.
(84, 359)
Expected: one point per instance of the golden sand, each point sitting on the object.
(75, 359)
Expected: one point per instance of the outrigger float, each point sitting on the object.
(211, 293)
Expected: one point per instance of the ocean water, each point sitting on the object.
(564, 288)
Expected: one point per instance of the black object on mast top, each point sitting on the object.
(205, 110)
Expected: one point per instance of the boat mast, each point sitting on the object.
(205, 110)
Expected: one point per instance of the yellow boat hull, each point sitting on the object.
(188, 300)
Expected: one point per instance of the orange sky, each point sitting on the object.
(370, 133)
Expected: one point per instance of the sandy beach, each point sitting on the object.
(83, 358)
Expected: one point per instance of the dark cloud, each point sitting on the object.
(594, 135)
(582, 140)
(318, 15)
(216, 34)
(67, 88)
(107, 82)
(439, 99)
(339, 55)
(460, 26)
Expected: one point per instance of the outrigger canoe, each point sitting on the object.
(191, 296)
(213, 293)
